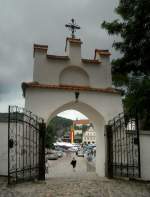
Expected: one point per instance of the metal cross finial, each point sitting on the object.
(72, 27)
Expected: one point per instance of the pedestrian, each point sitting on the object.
(46, 167)
(73, 163)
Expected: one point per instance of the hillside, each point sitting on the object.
(60, 125)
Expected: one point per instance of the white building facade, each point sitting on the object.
(89, 136)
(56, 82)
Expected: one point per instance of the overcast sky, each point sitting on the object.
(24, 22)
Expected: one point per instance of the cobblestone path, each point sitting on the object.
(61, 181)
(76, 187)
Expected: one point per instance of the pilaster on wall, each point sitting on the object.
(38, 51)
(104, 57)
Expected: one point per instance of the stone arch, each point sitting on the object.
(74, 75)
(98, 121)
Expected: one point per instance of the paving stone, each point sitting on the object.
(63, 182)
(97, 187)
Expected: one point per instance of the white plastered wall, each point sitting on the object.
(48, 70)
(98, 107)
(74, 76)
(145, 154)
(4, 148)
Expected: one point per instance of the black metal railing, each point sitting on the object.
(25, 138)
(123, 146)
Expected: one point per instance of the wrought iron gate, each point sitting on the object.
(123, 147)
(26, 146)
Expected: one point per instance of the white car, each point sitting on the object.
(80, 153)
(73, 149)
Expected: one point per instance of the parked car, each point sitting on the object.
(73, 149)
(80, 153)
(59, 153)
(52, 156)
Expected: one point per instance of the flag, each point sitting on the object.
(72, 135)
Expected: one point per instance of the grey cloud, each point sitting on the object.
(43, 21)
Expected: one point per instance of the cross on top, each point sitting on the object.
(72, 27)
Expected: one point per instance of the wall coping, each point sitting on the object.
(108, 90)
(142, 132)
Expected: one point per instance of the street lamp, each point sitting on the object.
(77, 96)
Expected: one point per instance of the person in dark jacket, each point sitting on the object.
(73, 163)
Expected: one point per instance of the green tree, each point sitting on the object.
(138, 94)
(56, 128)
(131, 71)
(60, 125)
(134, 29)
(50, 136)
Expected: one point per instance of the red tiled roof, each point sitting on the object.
(83, 122)
(39, 47)
(67, 87)
(72, 40)
(102, 52)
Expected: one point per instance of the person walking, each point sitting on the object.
(73, 163)
(46, 167)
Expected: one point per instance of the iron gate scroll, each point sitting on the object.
(123, 147)
(26, 146)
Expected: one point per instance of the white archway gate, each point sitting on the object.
(98, 121)
(96, 106)
(56, 80)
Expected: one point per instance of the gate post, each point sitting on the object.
(109, 151)
(138, 141)
(42, 128)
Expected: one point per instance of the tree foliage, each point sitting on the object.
(138, 96)
(134, 29)
(56, 128)
(61, 125)
(132, 70)
(50, 136)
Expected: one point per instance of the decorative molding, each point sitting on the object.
(73, 41)
(57, 57)
(102, 52)
(90, 61)
(141, 132)
(40, 48)
(26, 85)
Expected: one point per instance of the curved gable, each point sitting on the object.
(74, 76)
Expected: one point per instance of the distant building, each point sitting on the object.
(79, 123)
(89, 136)
(78, 132)
(85, 135)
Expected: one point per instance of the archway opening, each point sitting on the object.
(97, 141)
